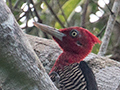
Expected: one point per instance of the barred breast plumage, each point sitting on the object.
(77, 76)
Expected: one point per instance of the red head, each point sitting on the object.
(76, 43)
(77, 40)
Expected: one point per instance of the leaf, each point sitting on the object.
(94, 7)
(96, 48)
(68, 8)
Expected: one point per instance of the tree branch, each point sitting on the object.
(109, 28)
(16, 4)
(10, 4)
(63, 13)
(36, 13)
(56, 17)
(20, 68)
(84, 14)
(101, 31)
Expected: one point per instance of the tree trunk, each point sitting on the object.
(107, 71)
(20, 68)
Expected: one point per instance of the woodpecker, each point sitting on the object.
(70, 72)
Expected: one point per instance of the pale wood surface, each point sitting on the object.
(107, 71)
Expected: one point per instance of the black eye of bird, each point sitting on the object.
(74, 33)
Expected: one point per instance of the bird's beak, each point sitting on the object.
(50, 30)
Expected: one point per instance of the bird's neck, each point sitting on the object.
(65, 59)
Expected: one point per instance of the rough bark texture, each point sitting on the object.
(20, 68)
(109, 28)
(107, 71)
(115, 43)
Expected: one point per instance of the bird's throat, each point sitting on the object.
(65, 59)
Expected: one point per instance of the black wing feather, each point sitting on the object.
(89, 76)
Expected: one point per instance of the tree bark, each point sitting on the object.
(109, 28)
(20, 68)
(107, 71)
(115, 43)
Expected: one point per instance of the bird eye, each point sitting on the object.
(74, 33)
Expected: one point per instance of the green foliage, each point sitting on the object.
(96, 48)
(94, 7)
(68, 8)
